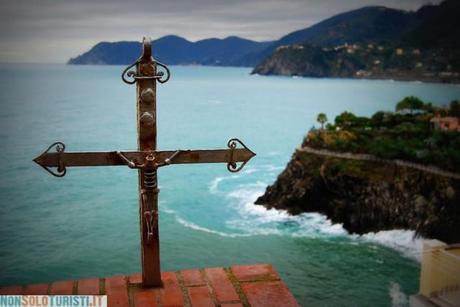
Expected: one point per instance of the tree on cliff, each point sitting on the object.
(345, 119)
(322, 119)
(410, 103)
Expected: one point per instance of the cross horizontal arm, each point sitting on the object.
(111, 158)
(61, 159)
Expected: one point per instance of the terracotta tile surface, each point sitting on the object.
(231, 305)
(254, 272)
(268, 294)
(117, 291)
(222, 286)
(238, 286)
(200, 297)
(36, 289)
(13, 290)
(135, 279)
(192, 278)
(171, 293)
(89, 286)
(145, 297)
(62, 287)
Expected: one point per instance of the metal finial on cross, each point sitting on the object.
(147, 159)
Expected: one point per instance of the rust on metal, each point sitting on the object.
(114, 158)
(147, 159)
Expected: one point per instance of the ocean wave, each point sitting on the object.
(204, 229)
(194, 226)
(250, 170)
(270, 167)
(214, 185)
(255, 218)
(401, 240)
(397, 296)
(167, 210)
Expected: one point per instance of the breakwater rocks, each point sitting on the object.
(368, 196)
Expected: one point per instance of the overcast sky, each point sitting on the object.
(55, 30)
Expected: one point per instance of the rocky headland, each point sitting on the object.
(368, 196)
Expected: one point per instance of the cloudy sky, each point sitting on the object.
(54, 30)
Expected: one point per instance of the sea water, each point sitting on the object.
(86, 224)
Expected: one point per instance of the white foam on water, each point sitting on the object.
(250, 170)
(258, 220)
(401, 240)
(214, 185)
(255, 218)
(167, 210)
(194, 226)
(204, 229)
(271, 167)
(398, 297)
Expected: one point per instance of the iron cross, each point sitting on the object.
(147, 159)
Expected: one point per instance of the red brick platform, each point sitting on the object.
(246, 285)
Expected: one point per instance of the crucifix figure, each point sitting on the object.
(147, 159)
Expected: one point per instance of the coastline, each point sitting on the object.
(367, 196)
(397, 78)
(421, 79)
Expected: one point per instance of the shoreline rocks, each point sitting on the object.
(367, 196)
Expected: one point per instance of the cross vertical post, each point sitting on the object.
(148, 186)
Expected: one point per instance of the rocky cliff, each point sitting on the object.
(368, 196)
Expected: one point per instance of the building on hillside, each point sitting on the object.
(445, 123)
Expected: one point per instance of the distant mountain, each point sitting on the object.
(367, 24)
(373, 42)
(430, 26)
(376, 23)
(175, 50)
(440, 26)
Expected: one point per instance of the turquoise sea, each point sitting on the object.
(86, 224)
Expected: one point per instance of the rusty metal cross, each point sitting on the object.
(147, 159)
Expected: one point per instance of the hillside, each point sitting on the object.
(174, 50)
(374, 42)
(368, 61)
(440, 27)
(367, 24)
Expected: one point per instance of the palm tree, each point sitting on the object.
(322, 119)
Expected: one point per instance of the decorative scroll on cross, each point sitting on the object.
(147, 159)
